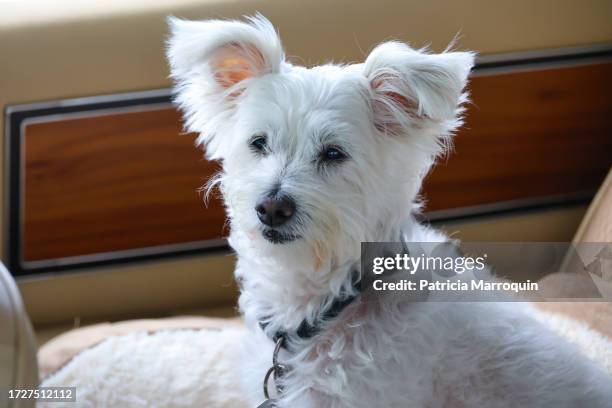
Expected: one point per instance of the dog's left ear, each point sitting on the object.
(409, 86)
(212, 62)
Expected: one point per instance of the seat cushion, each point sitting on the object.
(61, 349)
(167, 368)
(595, 227)
(597, 223)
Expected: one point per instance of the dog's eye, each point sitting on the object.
(332, 154)
(259, 143)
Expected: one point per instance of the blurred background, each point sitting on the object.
(103, 219)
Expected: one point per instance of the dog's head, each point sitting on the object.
(321, 158)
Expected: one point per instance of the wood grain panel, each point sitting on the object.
(114, 182)
(128, 180)
(529, 134)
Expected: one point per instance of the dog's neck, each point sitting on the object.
(285, 292)
(284, 304)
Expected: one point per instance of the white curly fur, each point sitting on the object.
(392, 116)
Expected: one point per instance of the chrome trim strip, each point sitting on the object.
(90, 100)
(516, 62)
(57, 117)
(6, 232)
(530, 55)
(127, 253)
(521, 204)
(537, 66)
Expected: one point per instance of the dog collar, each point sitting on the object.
(305, 330)
(308, 330)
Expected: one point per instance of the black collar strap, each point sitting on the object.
(308, 330)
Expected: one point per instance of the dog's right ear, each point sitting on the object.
(212, 62)
(414, 87)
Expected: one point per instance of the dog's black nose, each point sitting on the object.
(275, 211)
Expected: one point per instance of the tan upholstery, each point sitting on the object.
(595, 227)
(597, 223)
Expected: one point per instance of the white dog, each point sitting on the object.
(316, 161)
